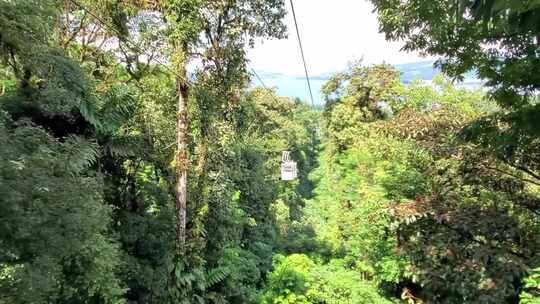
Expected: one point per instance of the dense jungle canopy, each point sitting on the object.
(138, 164)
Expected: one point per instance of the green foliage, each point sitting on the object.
(56, 244)
(360, 95)
(496, 38)
(298, 279)
(531, 295)
(108, 127)
(336, 283)
(241, 224)
(241, 270)
(215, 276)
(24, 23)
(353, 190)
(54, 237)
(410, 206)
(461, 230)
(288, 281)
(420, 194)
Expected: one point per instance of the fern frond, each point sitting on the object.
(90, 113)
(80, 154)
(124, 146)
(216, 276)
(119, 106)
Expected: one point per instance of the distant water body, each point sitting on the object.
(295, 86)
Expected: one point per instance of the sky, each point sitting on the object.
(333, 33)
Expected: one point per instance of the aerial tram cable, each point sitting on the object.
(288, 167)
(262, 83)
(302, 53)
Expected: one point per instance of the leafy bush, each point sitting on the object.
(298, 279)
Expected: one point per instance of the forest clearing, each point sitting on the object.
(143, 159)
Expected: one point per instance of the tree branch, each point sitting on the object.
(75, 33)
(513, 175)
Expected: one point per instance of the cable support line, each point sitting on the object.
(258, 78)
(264, 85)
(302, 53)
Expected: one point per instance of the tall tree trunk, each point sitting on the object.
(181, 153)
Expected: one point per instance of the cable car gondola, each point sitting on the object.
(288, 167)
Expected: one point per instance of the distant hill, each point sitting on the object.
(417, 70)
(295, 85)
(425, 70)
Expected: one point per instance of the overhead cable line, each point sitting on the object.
(264, 85)
(259, 78)
(302, 52)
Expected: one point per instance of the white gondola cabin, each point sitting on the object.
(288, 167)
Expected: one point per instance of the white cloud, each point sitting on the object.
(333, 33)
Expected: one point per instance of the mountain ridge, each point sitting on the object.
(295, 86)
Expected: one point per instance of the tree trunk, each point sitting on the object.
(181, 157)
